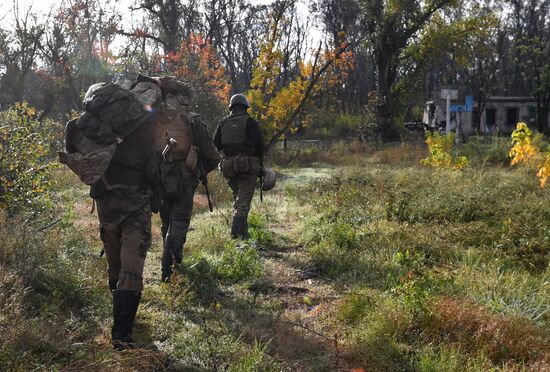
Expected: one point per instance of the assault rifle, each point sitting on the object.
(203, 175)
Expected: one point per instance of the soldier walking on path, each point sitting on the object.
(192, 157)
(123, 198)
(239, 139)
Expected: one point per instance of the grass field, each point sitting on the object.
(360, 259)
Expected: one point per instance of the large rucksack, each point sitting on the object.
(111, 113)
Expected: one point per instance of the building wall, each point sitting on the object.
(526, 113)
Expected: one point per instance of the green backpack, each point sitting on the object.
(111, 113)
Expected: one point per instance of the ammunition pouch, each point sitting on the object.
(170, 175)
(227, 168)
(239, 164)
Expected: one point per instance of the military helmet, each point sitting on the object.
(238, 99)
(269, 179)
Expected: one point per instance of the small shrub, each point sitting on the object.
(237, 265)
(439, 149)
(526, 150)
(233, 265)
(202, 279)
(255, 359)
(259, 231)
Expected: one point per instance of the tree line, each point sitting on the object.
(379, 59)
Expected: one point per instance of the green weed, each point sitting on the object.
(259, 231)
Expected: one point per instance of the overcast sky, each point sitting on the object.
(42, 8)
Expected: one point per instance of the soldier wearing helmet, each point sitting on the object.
(240, 141)
(179, 170)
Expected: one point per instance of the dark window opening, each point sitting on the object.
(512, 116)
(491, 117)
(532, 113)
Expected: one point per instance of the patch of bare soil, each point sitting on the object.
(300, 336)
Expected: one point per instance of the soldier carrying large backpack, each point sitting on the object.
(110, 147)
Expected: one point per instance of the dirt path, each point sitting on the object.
(298, 299)
(308, 301)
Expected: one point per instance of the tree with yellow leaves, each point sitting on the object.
(277, 98)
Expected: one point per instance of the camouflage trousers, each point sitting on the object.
(242, 183)
(175, 214)
(243, 186)
(125, 229)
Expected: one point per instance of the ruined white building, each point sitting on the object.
(500, 114)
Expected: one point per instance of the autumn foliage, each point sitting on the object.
(196, 61)
(526, 151)
(277, 98)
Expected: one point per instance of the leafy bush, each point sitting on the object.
(238, 264)
(25, 175)
(526, 150)
(439, 149)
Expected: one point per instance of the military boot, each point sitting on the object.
(173, 248)
(125, 305)
(239, 228)
(167, 261)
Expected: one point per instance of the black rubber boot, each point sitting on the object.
(125, 305)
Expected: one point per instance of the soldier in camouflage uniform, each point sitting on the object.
(123, 198)
(239, 139)
(179, 171)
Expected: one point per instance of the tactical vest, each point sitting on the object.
(176, 125)
(233, 133)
